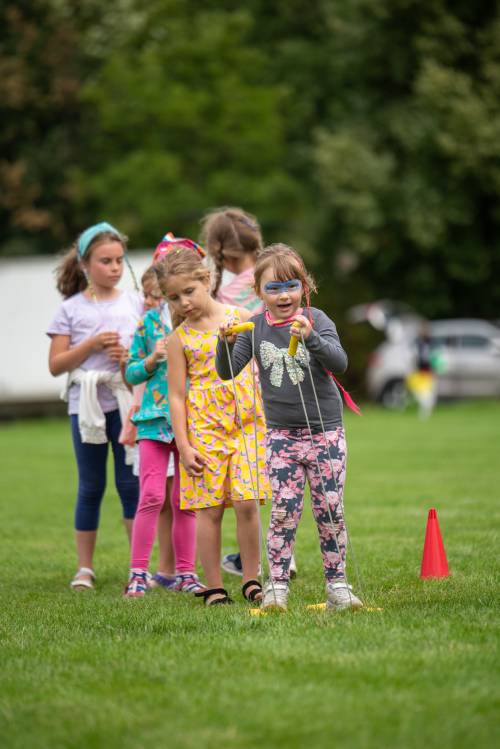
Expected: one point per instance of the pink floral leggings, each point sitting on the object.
(290, 459)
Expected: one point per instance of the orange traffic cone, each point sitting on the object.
(434, 562)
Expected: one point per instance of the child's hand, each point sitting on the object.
(301, 327)
(105, 340)
(160, 351)
(192, 461)
(125, 357)
(222, 332)
(117, 353)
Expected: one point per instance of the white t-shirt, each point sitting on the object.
(80, 318)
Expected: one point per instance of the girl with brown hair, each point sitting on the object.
(305, 436)
(89, 337)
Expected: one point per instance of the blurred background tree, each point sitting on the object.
(366, 134)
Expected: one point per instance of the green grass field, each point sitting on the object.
(95, 670)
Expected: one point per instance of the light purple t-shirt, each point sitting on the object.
(80, 318)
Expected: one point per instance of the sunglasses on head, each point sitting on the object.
(276, 287)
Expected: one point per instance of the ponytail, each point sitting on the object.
(70, 278)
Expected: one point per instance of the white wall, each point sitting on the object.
(28, 301)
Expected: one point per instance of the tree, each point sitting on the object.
(409, 169)
(183, 122)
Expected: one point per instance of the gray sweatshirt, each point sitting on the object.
(279, 374)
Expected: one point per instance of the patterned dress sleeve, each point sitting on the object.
(136, 371)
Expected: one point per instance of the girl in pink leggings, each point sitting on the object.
(148, 363)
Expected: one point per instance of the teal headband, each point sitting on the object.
(89, 234)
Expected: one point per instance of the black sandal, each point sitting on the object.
(205, 594)
(252, 594)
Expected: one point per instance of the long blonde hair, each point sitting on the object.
(181, 262)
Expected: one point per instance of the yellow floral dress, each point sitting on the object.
(214, 429)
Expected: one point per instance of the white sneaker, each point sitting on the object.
(340, 596)
(275, 596)
(232, 563)
(293, 567)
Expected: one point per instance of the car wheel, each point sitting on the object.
(395, 395)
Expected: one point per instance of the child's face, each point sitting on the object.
(152, 294)
(105, 264)
(188, 296)
(281, 299)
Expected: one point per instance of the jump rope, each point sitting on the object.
(292, 352)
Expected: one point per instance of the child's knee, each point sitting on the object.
(212, 515)
(282, 518)
(91, 492)
(246, 510)
(151, 500)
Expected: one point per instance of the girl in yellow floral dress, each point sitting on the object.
(214, 469)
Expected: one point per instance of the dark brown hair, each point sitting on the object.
(70, 278)
(229, 229)
(181, 262)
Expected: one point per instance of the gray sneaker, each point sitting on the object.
(275, 596)
(340, 596)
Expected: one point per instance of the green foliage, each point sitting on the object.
(182, 122)
(411, 171)
(366, 134)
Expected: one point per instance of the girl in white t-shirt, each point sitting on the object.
(89, 335)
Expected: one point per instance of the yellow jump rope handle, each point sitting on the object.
(294, 342)
(240, 327)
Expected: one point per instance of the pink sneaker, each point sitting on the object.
(189, 583)
(137, 585)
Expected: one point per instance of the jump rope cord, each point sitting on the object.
(262, 544)
(341, 498)
(255, 485)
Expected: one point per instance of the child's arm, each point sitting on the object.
(123, 367)
(192, 461)
(62, 358)
(323, 342)
(240, 351)
(141, 366)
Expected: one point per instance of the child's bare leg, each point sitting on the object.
(85, 545)
(247, 533)
(166, 558)
(128, 523)
(209, 523)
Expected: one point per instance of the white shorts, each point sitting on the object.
(135, 465)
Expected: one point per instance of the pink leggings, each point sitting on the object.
(154, 457)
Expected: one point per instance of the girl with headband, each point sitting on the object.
(89, 336)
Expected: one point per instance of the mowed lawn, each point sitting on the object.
(95, 670)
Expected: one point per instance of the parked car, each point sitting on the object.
(468, 351)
